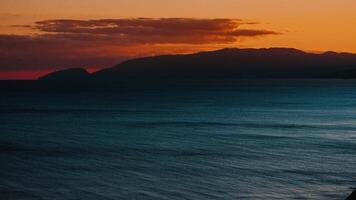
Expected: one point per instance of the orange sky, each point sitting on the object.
(311, 25)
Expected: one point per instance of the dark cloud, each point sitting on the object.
(79, 43)
(252, 33)
(142, 25)
(147, 30)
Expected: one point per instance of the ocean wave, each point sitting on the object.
(272, 125)
(33, 110)
(177, 124)
(18, 149)
(16, 194)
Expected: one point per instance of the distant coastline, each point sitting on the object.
(273, 63)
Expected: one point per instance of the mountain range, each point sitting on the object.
(231, 63)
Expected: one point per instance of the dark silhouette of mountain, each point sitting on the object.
(235, 64)
(68, 75)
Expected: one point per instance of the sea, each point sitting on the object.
(247, 139)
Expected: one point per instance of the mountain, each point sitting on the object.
(232, 63)
(68, 75)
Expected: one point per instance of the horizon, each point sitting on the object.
(38, 36)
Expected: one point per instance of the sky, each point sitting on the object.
(41, 36)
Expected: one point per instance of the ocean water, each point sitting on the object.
(284, 139)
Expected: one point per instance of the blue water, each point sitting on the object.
(250, 140)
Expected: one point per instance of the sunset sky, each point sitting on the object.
(40, 36)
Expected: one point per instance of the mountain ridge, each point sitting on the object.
(229, 63)
(67, 74)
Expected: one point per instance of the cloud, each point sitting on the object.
(252, 33)
(153, 31)
(61, 43)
